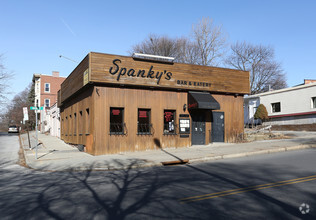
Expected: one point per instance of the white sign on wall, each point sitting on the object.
(25, 114)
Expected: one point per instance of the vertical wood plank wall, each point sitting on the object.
(233, 114)
(131, 100)
(94, 134)
(77, 134)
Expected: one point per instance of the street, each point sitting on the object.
(270, 186)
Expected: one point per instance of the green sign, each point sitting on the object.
(36, 108)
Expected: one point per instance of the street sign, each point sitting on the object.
(36, 108)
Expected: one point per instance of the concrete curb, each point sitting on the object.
(32, 164)
(247, 154)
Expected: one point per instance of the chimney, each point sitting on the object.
(55, 74)
(308, 81)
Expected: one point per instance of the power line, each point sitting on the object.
(61, 56)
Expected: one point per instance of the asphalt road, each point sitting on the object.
(261, 187)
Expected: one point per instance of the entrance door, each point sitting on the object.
(218, 127)
(198, 128)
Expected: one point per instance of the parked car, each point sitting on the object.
(13, 129)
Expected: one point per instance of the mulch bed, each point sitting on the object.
(305, 127)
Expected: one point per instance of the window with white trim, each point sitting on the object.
(313, 102)
(276, 107)
(47, 87)
(47, 103)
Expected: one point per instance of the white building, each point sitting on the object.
(295, 105)
(46, 88)
(54, 121)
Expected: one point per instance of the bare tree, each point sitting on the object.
(14, 114)
(157, 45)
(205, 48)
(5, 76)
(210, 41)
(188, 51)
(259, 60)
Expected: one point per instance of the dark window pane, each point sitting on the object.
(169, 122)
(276, 107)
(116, 121)
(143, 123)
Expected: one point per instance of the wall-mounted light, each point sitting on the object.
(142, 56)
(184, 107)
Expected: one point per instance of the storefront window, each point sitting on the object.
(116, 120)
(143, 123)
(169, 122)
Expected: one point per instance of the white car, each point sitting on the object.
(13, 129)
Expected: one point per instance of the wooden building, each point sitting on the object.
(113, 104)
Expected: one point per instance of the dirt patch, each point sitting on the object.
(260, 136)
(305, 127)
(21, 161)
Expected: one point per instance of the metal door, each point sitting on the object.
(218, 127)
(198, 128)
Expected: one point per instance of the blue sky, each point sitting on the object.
(35, 33)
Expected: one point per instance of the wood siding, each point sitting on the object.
(95, 133)
(92, 128)
(219, 79)
(74, 81)
(76, 130)
(131, 100)
(232, 106)
(173, 76)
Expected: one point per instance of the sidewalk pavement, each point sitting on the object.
(55, 155)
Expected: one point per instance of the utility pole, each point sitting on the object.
(36, 134)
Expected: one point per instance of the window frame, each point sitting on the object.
(174, 131)
(313, 100)
(149, 124)
(273, 107)
(47, 87)
(48, 103)
(119, 125)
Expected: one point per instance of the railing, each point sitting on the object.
(118, 129)
(144, 129)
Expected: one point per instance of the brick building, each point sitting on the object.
(46, 88)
